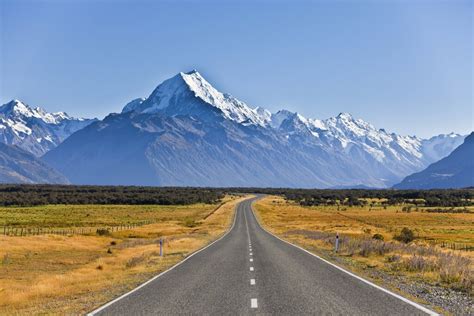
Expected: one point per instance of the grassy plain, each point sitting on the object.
(52, 274)
(423, 259)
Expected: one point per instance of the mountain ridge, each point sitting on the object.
(34, 129)
(20, 166)
(188, 133)
(454, 171)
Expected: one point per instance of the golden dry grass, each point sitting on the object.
(314, 228)
(53, 274)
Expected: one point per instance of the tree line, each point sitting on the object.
(41, 194)
(355, 197)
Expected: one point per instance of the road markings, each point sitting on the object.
(251, 254)
(252, 281)
(97, 310)
(251, 268)
(416, 305)
(253, 303)
(251, 260)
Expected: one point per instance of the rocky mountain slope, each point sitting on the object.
(34, 129)
(188, 133)
(19, 166)
(453, 171)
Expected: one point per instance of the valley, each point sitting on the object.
(61, 253)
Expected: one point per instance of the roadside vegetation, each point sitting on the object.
(422, 246)
(75, 272)
(42, 194)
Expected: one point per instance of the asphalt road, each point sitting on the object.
(249, 271)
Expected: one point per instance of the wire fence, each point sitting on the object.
(64, 231)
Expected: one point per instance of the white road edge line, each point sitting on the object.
(95, 311)
(416, 305)
(252, 281)
(253, 303)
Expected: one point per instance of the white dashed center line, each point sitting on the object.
(252, 281)
(253, 303)
(251, 268)
(250, 253)
(251, 260)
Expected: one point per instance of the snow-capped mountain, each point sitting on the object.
(34, 129)
(453, 171)
(190, 94)
(188, 133)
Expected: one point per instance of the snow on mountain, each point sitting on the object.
(189, 94)
(343, 132)
(185, 94)
(34, 129)
(440, 146)
(454, 171)
(188, 133)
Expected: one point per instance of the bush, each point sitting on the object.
(102, 232)
(406, 235)
(393, 258)
(135, 261)
(419, 264)
(189, 222)
(378, 237)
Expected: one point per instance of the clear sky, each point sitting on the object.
(405, 66)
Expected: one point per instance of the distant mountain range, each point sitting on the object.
(454, 171)
(188, 133)
(19, 166)
(34, 129)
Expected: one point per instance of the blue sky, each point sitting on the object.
(405, 66)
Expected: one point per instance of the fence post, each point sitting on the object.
(161, 247)
(336, 248)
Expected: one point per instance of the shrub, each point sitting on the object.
(419, 263)
(378, 237)
(189, 222)
(135, 261)
(406, 235)
(455, 270)
(102, 232)
(6, 259)
(393, 258)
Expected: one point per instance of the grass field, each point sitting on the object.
(72, 274)
(423, 259)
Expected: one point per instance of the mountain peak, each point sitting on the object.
(192, 72)
(345, 115)
(17, 108)
(188, 93)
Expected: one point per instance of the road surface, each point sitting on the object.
(249, 271)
